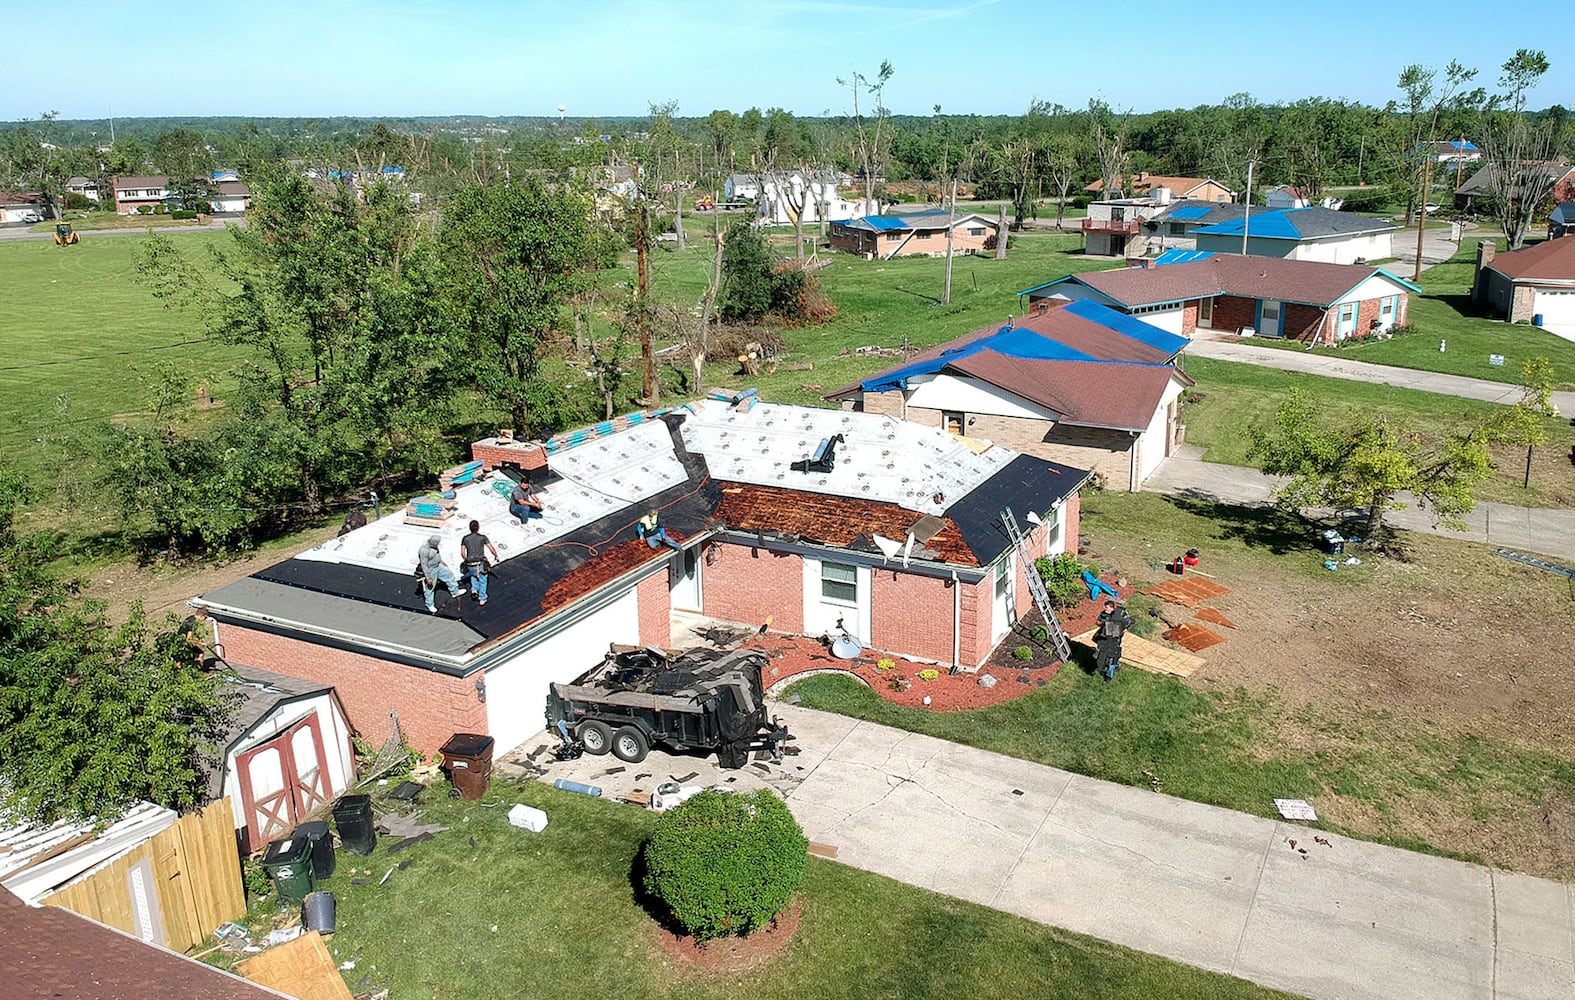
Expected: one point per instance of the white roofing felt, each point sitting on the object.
(600, 477)
(25, 843)
(880, 458)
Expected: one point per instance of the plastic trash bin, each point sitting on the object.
(289, 861)
(353, 817)
(467, 758)
(322, 847)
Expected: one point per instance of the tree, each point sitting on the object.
(746, 274)
(1063, 155)
(1413, 125)
(1515, 149)
(870, 147)
(1525, 422)
(92, 717)
(512, 257)
(182, 153)
(1110, 145)
(1364, 461)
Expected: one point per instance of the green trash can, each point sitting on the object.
(290, 864)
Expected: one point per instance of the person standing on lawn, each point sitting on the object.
(473, 549)
(1113, 624)
(429, 563)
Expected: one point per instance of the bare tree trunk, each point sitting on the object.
(678, 219)
(951, 229)
(1000, 234)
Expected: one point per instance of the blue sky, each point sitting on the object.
(613, 57)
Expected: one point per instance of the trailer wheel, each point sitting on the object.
(629, 745)
(595, 736)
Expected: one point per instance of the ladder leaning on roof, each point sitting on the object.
(1036, 586)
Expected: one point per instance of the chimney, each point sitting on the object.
(1486, 249)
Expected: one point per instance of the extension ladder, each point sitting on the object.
(1036, 586)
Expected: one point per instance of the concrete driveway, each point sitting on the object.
(1210, 887)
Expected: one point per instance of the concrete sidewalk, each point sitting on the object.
(1233, 349)
(1207, 886)
(1547, 531)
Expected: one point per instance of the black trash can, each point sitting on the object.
(467, 758)
(1333, 542)
(353, 817)
(322, 847)
(289, 861)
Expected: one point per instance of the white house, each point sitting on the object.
(781, 196)
(21, 207)
(1314, 233)
(84, 186)
(230, 197)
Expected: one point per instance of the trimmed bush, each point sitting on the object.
(726, 863)
(183, 213)
(1063, 577)
(144, 209)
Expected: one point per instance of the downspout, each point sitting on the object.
(1132, 476)
(956, 622)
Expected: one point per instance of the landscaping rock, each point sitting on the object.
(986, 681)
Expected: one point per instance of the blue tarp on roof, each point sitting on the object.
(1127, 326)
(885, 223)
(1008, 340)
(1264, 225)
(1189, 212)
(1182, 256)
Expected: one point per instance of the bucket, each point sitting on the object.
(317, 912)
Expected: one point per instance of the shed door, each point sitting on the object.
(283, 780)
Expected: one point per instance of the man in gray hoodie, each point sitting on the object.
(429, 561)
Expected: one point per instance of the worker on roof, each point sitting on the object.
(433, 571)
(523, 502)
(473, 549)
(650, 528)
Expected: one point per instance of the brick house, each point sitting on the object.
(1266, 296)
(1535, 284)
(916, 234)
(1143, 184)
(133, 192)
(898, 538)
(1076, 383)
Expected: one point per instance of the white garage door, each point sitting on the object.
(517, 690)
(1555, 308)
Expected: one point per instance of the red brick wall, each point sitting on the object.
(431, 706)
(1299, 322)
(1072, 521)
(525, 454)
(1189, 318)
(911, 614)
(655, 606)
(1232, 312)
(976, 601)
(745, 584)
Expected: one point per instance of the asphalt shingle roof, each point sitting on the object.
(1551, 260)
(1309, 282)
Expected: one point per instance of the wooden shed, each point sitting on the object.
(287, 756)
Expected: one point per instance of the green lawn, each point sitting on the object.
(487, 910)
(1231, 397)
(1444, 312)
(1240, 749)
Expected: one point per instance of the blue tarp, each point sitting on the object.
(885, 223)
(1189, 212)
(1008, 340)
(1271, 225)
(1127, 326)
(1182, 256)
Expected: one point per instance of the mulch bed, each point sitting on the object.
(732, 954)
(793, 655)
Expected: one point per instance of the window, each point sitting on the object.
(1206, 312)
(1003, 577)
(1386, 308)
(839, 582)
(1178, 229)
(1271, 313)
(975, 230)
(952, 420)
(1117, 214)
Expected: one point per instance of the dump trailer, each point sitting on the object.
(703, 699)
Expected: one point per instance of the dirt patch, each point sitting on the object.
(732, 954)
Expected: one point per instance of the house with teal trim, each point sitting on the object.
(1188, 291)
(1313, 233)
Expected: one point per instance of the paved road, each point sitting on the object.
(1210, 887)
(216, 224)
(1232, 349)
(1547, 531)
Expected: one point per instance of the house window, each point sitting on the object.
(839, 582)
(1178, 229)
(1386, 309)
(1347, 319)
(1117, 214)
(1206, 312)
(952, 420)
(1003, 578)
(975, 230)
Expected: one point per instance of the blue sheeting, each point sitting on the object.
(1270, 225)
(1189, 212)
(1127, 326)
(1182, 256)
(1008, 340)
(885, 223)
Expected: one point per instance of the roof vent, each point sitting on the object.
(824, 458)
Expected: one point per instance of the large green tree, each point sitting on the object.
(93, 716)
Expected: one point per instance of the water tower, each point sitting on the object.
(561, 110)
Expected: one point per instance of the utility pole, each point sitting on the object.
(641, 319)
(1460, 160)
(1421, 226)
(951, 228)
(1247, 206)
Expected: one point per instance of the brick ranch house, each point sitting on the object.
(1300, 300)
(1077, 383)
(899, 538)
(916, 234)
(1535, 284)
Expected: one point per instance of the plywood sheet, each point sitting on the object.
(301, 968)
(1151, 656)
(1193, 637)
(1188, 591)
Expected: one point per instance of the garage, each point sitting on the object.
(1556, 307)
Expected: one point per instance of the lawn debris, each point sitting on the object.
(407, 825)
(386, 874)
(615, 770)
(1187, 592)
(692, 775)
(409, 842)
(828, 851)
(1533, 561)
(407, 791)
(1214, 617)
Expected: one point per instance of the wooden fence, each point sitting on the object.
(172, 890)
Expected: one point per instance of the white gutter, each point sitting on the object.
(1132, 476)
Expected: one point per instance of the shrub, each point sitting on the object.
(726, 863)
(1063, 577)
(885, 663)
(1024, 653)
(144, 209)
(929, 674)
(183, 213)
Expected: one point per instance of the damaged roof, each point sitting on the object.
(1308, 282)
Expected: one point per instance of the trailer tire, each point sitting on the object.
(630, 745)
(594, 736)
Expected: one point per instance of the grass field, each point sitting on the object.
(488, 910)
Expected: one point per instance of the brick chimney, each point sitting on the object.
(1485, 252)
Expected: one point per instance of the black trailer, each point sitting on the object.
(704, 699)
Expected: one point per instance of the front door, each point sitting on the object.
(683, 580)
(1269, 319)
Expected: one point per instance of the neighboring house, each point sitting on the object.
(224, 174)
(759, 542)
(1452, 151)
(1561, 221)
(917, 234)
(22, 207)
(1557, 175)
(86, 187)
(1290, 196)
(230, 197)
(816, 194)
(53, 952)
(1271, 297)
(1115, 228)
(286, 755)
(1316, 233)
(1172, 227)
(1076, 383)
(1535, 284)
(741, 187)
(131, 193)
(1145, 184)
